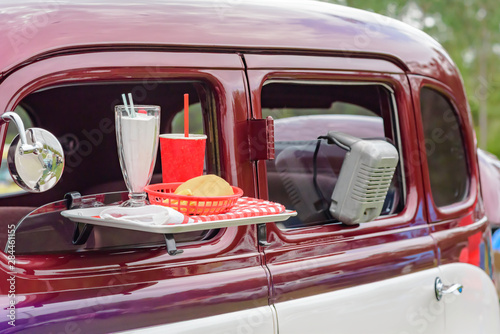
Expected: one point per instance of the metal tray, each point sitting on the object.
(86, 216)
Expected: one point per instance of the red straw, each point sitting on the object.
(186, 115)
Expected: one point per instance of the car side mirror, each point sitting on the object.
(364, 179)
(35, 158)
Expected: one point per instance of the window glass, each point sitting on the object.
(7, 185)
(82, 118)
(195, 120)
(299, 178)
(445, 150)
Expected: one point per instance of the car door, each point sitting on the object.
(121, 280)
(455, 209)
(375, 277)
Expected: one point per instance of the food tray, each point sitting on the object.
(163, 194)
(88, 216)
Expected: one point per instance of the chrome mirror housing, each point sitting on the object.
(35, 158)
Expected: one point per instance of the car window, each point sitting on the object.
(7, 186)
(303, 175)
(444, 146)
(82, 117)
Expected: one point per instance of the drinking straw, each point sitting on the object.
(125, 104)
(131, 105)
(186, 115)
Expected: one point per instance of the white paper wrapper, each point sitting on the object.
(149, 214)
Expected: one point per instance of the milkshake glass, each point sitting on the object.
(137, 141)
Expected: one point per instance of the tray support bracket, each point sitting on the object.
(80, 236)
(171, 247)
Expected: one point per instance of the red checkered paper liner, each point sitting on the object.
(244, 207)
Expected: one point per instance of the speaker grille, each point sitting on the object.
(372, 183)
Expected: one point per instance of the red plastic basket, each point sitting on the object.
(163, 194)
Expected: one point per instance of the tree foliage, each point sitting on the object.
(469, 30)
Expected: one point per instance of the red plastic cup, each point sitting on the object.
(182, 158)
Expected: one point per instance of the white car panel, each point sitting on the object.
(403, 305)
(476, 310)
(260, 320)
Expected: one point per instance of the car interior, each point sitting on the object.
(305, 170)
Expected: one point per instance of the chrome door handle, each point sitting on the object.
(442, 289)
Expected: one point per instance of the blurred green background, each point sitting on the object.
(470, 31)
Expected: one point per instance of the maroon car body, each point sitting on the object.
(66, 63)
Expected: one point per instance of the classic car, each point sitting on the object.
(423, 265)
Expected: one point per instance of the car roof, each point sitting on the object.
(32, 30)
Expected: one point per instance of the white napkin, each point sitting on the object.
(149, 214)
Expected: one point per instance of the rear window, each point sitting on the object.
(444, 146)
